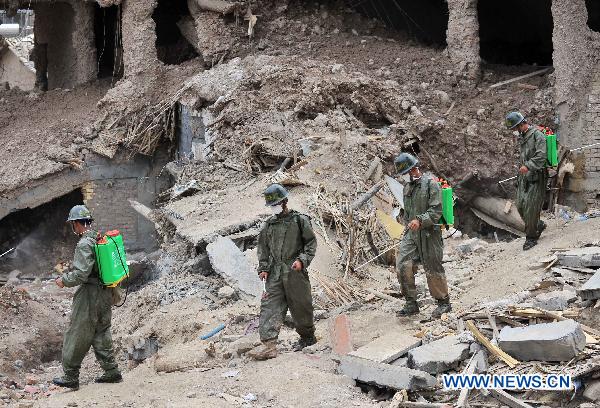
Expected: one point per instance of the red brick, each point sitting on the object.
(339, 333)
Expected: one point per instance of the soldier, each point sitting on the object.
(422, 241)
(91, 313)
(532, 177)
(286, 247)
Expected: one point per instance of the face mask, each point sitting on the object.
(405, 178)
(516, 133)
(276, 210)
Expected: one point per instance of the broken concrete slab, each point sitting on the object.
(439, 356)
(555, 300)
(580, 257)
(559, 341)
(387, 348)
(385, 375)
(591, 289)
(228, 261)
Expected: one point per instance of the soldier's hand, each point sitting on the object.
(414, 225)
(297, 266)
(263, 275)
(523, 170)
(59, 283)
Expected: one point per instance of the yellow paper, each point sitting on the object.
(392, 227)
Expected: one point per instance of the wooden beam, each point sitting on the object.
(492, 348)
(508, 399)
(463, 397)
(519, 78)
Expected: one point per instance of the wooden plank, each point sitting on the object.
(463, 397)
(495, 350)
(495, 331)
(521, 77)
(585, 328)
(508, 399)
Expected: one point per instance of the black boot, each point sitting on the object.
(410, 308)
(529, 243)
(304, 342)
(110, 378)
(66, 382)
(442, 307)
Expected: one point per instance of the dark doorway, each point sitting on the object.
(41, 236)
(171, 46)
(424, 20)
(516, 32)
(109, 45)
(593, 10)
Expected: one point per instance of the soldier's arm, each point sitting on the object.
(83, 264)
(434, 206)
(262, 250)
(538, 161)
(310, 242)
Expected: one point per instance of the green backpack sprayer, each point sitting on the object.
(111, 259)
(551, 146)
(447, 204)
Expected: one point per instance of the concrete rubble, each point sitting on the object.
(555, 300)
(559, 341)
(386, 375)
(591, 289)
(588, 257)
(229, 262)
(439, 356)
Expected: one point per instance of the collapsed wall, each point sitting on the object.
(577, 90)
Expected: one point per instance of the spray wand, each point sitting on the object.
(7, 252)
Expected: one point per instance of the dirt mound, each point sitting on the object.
(30, 331)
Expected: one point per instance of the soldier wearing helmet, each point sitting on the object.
(91, 312)
(532, 177)
(422, 242)
(286, 247)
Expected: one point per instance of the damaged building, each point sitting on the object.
(122, 43)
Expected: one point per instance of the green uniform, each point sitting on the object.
(283, 240)
(422, 201)
(531, 188)
(91, 314)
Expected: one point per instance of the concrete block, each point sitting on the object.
(385, 375)
(228, 261)
(555, 300)
(387, 348)
(439, 356)
(592, 391)
(340, 335)
(580, 257)
(559, 341)
(591, 289)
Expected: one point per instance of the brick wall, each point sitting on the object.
(592, 135)
(108, 202)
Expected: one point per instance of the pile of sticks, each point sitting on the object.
(337, 292)
(357, 236)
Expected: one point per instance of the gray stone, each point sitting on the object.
(228, 261)
(592, 391)
(226, 292)
(555, 300)
(591, 289)
(439, 356)
(580, 257)
(140, 349)
(242, 345)
(200, 264)
(471, 245)
(559, 341)
(385, 375)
